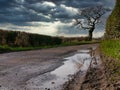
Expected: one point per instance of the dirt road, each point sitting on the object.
(17, 69)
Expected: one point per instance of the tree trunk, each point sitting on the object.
(90, 34)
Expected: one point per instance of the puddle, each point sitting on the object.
(79, 62)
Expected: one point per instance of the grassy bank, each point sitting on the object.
(111, 48)
(111, 61)
(6, 48)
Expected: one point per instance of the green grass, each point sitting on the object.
(6, 48)
(77, 43)
(111, 48)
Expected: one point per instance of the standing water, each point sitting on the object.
(79, 62)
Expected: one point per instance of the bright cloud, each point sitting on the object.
(46, 3)
(69, 10)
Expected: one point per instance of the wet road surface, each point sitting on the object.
(46, 69)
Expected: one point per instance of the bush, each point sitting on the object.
(22, 39)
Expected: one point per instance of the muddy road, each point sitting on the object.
(48, 69)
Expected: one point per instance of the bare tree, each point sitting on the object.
(90, 17)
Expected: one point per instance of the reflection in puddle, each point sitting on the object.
(83, 51)
(79, 62)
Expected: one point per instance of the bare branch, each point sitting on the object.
(80, 24)
(92, 15)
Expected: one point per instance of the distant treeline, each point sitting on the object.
(23, 39)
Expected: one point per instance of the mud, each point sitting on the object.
(83, 81)
(103, 75)
(112, 72)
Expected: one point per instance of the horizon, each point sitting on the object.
(48, 17)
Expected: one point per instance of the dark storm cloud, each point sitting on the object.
(19, 11)
(16, 11)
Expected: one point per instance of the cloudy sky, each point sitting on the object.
(49, 17)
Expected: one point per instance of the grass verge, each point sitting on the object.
(111, 48)
(6, 48)
(111, 60)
